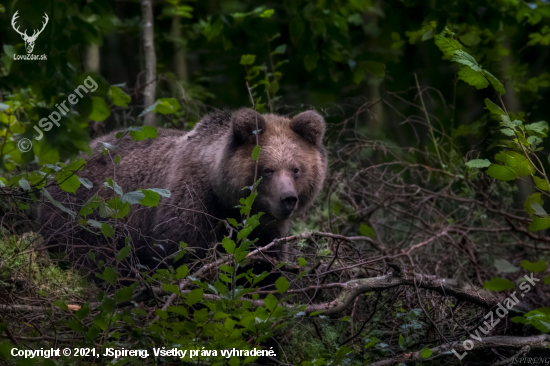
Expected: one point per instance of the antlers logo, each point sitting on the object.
(29, 40)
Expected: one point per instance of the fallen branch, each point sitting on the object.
(354, 288)
(534, 342)
(203, 271)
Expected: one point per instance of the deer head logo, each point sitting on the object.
(29, 40)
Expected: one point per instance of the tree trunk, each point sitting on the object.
(92, 58)
(150, 60)
(180, 63)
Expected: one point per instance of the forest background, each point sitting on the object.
(419, 96)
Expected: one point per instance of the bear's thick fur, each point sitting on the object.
(205, 170)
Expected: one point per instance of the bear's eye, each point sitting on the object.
(296, 170)
(268, 171)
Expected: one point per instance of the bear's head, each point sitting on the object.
(292, 163)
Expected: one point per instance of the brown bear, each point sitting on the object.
(205, 170)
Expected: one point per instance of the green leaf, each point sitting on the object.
(23, 183)
(167, 106)
(494, 82)
(123, 253)
(151, 198)
(428, 35)
(57, 204)
(538, 209)
(301, 262)
(162, 314)
(447, 44)
(228, 245)
(256, 152)
(132, 197)
(248, 59)
(478, 163)
(539, 266)
(142, 133)
(161, 191)
(501, 172)
(120, 98)
(493, 108)
(366, 230)
(119, 209)
(532, 199)
(503, 266)
(279, 50)
(538, 128)
(472, 77)
(194, 296)
(108, 275)
(100, 109)
(233, 222)
(508, 132)
(94, 223)
(506, 122)
(267, 13)
(114, 186)
(182, 272)
(465, 58)
(546, 280)
(271, 302)
(523, 166)
(86, 183)
(539, 223)
(171, 288)
(282, 284)
(498, 284)
(401, 341)
(107, 230)
(124, 294)
(178, 310)
(61, 304)
(426, 353)
(68, 181)
(505, 158)
(470, 39)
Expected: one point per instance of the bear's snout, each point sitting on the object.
(288, 202)
(285, 197)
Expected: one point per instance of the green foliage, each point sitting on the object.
(539, 266)
(470, 71)
(478, 163)
(366, 230)
(538, 318)
(426, 353)
(119, 98)
(498, 284)
(100, 110)
(519, 153)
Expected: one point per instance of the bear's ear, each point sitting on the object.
(244, 124)
(310, 126)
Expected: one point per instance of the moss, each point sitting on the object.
(27, 267)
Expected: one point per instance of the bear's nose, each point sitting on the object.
(288, 200)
